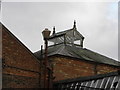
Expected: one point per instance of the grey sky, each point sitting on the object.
(119, 31)
(96, 21)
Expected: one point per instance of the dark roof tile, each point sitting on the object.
(78, 52)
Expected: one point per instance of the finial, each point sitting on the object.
(53, 30)
(74, 26)
(74, 22)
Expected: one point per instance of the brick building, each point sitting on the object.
(23, 69)
(20, 68)
(71, 60)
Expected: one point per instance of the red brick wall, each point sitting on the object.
(15, 81)
(18, 62)
(22, 69)
(102, 68)
(66, 68)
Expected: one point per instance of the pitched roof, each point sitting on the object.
(67, 35)
(64, 45)
(76, 51)
(67, 31)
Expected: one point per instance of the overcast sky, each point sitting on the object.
(96, 21)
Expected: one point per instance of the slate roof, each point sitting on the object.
(76, 51)
(64, 46)
(69, 35)
(65, 32)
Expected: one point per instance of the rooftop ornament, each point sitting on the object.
(46, 33)
(67, 37)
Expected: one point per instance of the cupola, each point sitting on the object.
(67, 36)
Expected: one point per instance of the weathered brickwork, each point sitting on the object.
(66, 68)
(19, 64)
(21, 69)
(102, 69)
(14, 71)
(15, 81)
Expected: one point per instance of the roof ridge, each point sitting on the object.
(64, 31)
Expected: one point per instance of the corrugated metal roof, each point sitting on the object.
(78, 52)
